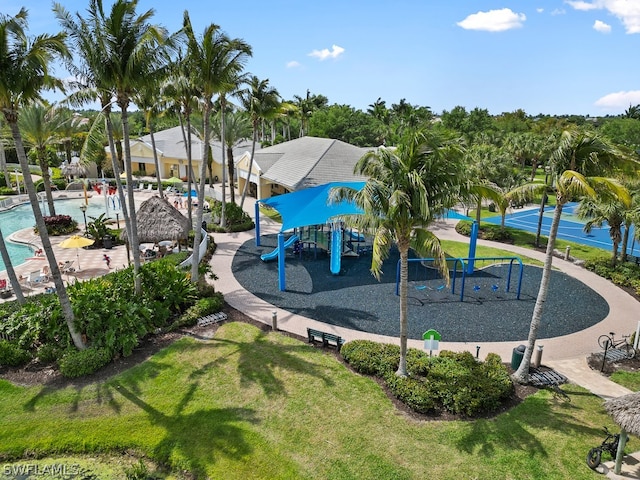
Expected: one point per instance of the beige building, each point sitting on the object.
(298, 164)
(172, 154)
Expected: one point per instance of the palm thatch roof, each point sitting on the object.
(625, 411)
(159, 220)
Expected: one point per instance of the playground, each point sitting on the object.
(355, 299)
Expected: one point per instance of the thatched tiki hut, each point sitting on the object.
(159, 220)
(625, 411)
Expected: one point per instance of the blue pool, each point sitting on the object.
(21, 217)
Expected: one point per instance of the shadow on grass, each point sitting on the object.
(197, 438)
(512, 430)
(259, 358)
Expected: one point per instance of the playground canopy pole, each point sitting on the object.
(472, 246)
(281, 279)
(257, 216)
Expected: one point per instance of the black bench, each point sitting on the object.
(631, 258)
(327, 339)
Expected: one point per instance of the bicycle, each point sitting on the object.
(609, 445)
(607, 342)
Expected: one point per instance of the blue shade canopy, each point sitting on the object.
(311, 206)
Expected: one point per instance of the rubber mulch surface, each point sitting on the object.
(355, 299)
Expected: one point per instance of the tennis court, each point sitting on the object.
(571, 228)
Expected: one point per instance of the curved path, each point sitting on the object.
(620, 318)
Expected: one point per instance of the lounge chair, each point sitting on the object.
(36, 278)
(150, 187)
(67, 267)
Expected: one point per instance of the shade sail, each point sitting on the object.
(311, 206)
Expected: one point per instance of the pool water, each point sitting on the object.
(21, 217)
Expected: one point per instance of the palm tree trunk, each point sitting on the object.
(231, 168)
(155, 160)
(540, 216)
(522, 374)
(61, 291)
(404, 282)
(46, 180)
(133, 224)
(190, 170)
(625, 241)
(197, 237)
(115, 164)
(223, 213)
(253, 150)
(3, 165)
(11, 273)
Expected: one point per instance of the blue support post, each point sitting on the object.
(281, 279)
(472, 247)
(257, 216)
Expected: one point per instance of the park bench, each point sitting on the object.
(327, 339)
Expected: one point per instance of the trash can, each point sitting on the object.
(107, 242)
(517, 356)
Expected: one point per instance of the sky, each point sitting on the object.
(553, 57)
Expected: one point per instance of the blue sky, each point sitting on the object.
(551, 56)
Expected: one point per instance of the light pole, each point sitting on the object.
(83, 208)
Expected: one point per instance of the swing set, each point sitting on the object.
(466, 267)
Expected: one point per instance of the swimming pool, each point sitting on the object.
(21, 217)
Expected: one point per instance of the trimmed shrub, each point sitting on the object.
(77, 363)
(204, 306)
(49, 353)
(11, 355)
(59, 225)
(455, 382)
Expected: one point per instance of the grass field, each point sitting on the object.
(250, 405)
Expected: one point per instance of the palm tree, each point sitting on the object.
(147, 100)
(407, 189)
(612, 210)
(94, 83)
(24, 63)
(573, 149)
(261, 101)
(180, 94)
(11, 273)
(215, 62)
(131, 49)
(39, 126)
(237, 127)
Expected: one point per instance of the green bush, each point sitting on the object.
(371, 358)
(11, 355)
(236, 219)
(59, 225)
(455, 382)
(7, 191)
(487, 231)
(49, 353)
(204, 306)
(77, 363)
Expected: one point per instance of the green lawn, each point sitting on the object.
(252, 405)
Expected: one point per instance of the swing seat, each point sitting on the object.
(420, 287)
(494, 288)
(476, 288)
(441, 287)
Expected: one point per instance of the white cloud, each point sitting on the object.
(619, 101)
(601, 27)
(627, 11)
(580, 5)
(558, 11)
(540, 10)
(293, 64)
(493, 20)
(325, 53)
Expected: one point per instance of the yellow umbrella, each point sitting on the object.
(76, 241)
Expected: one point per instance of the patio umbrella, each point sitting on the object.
(76, 241)
(173, 181)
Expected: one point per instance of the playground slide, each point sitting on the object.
(272, 255)
(336, 250)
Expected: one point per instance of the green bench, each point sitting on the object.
(326, 339)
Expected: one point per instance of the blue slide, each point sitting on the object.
(272, 255)
(358, 237)
(336, 250)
